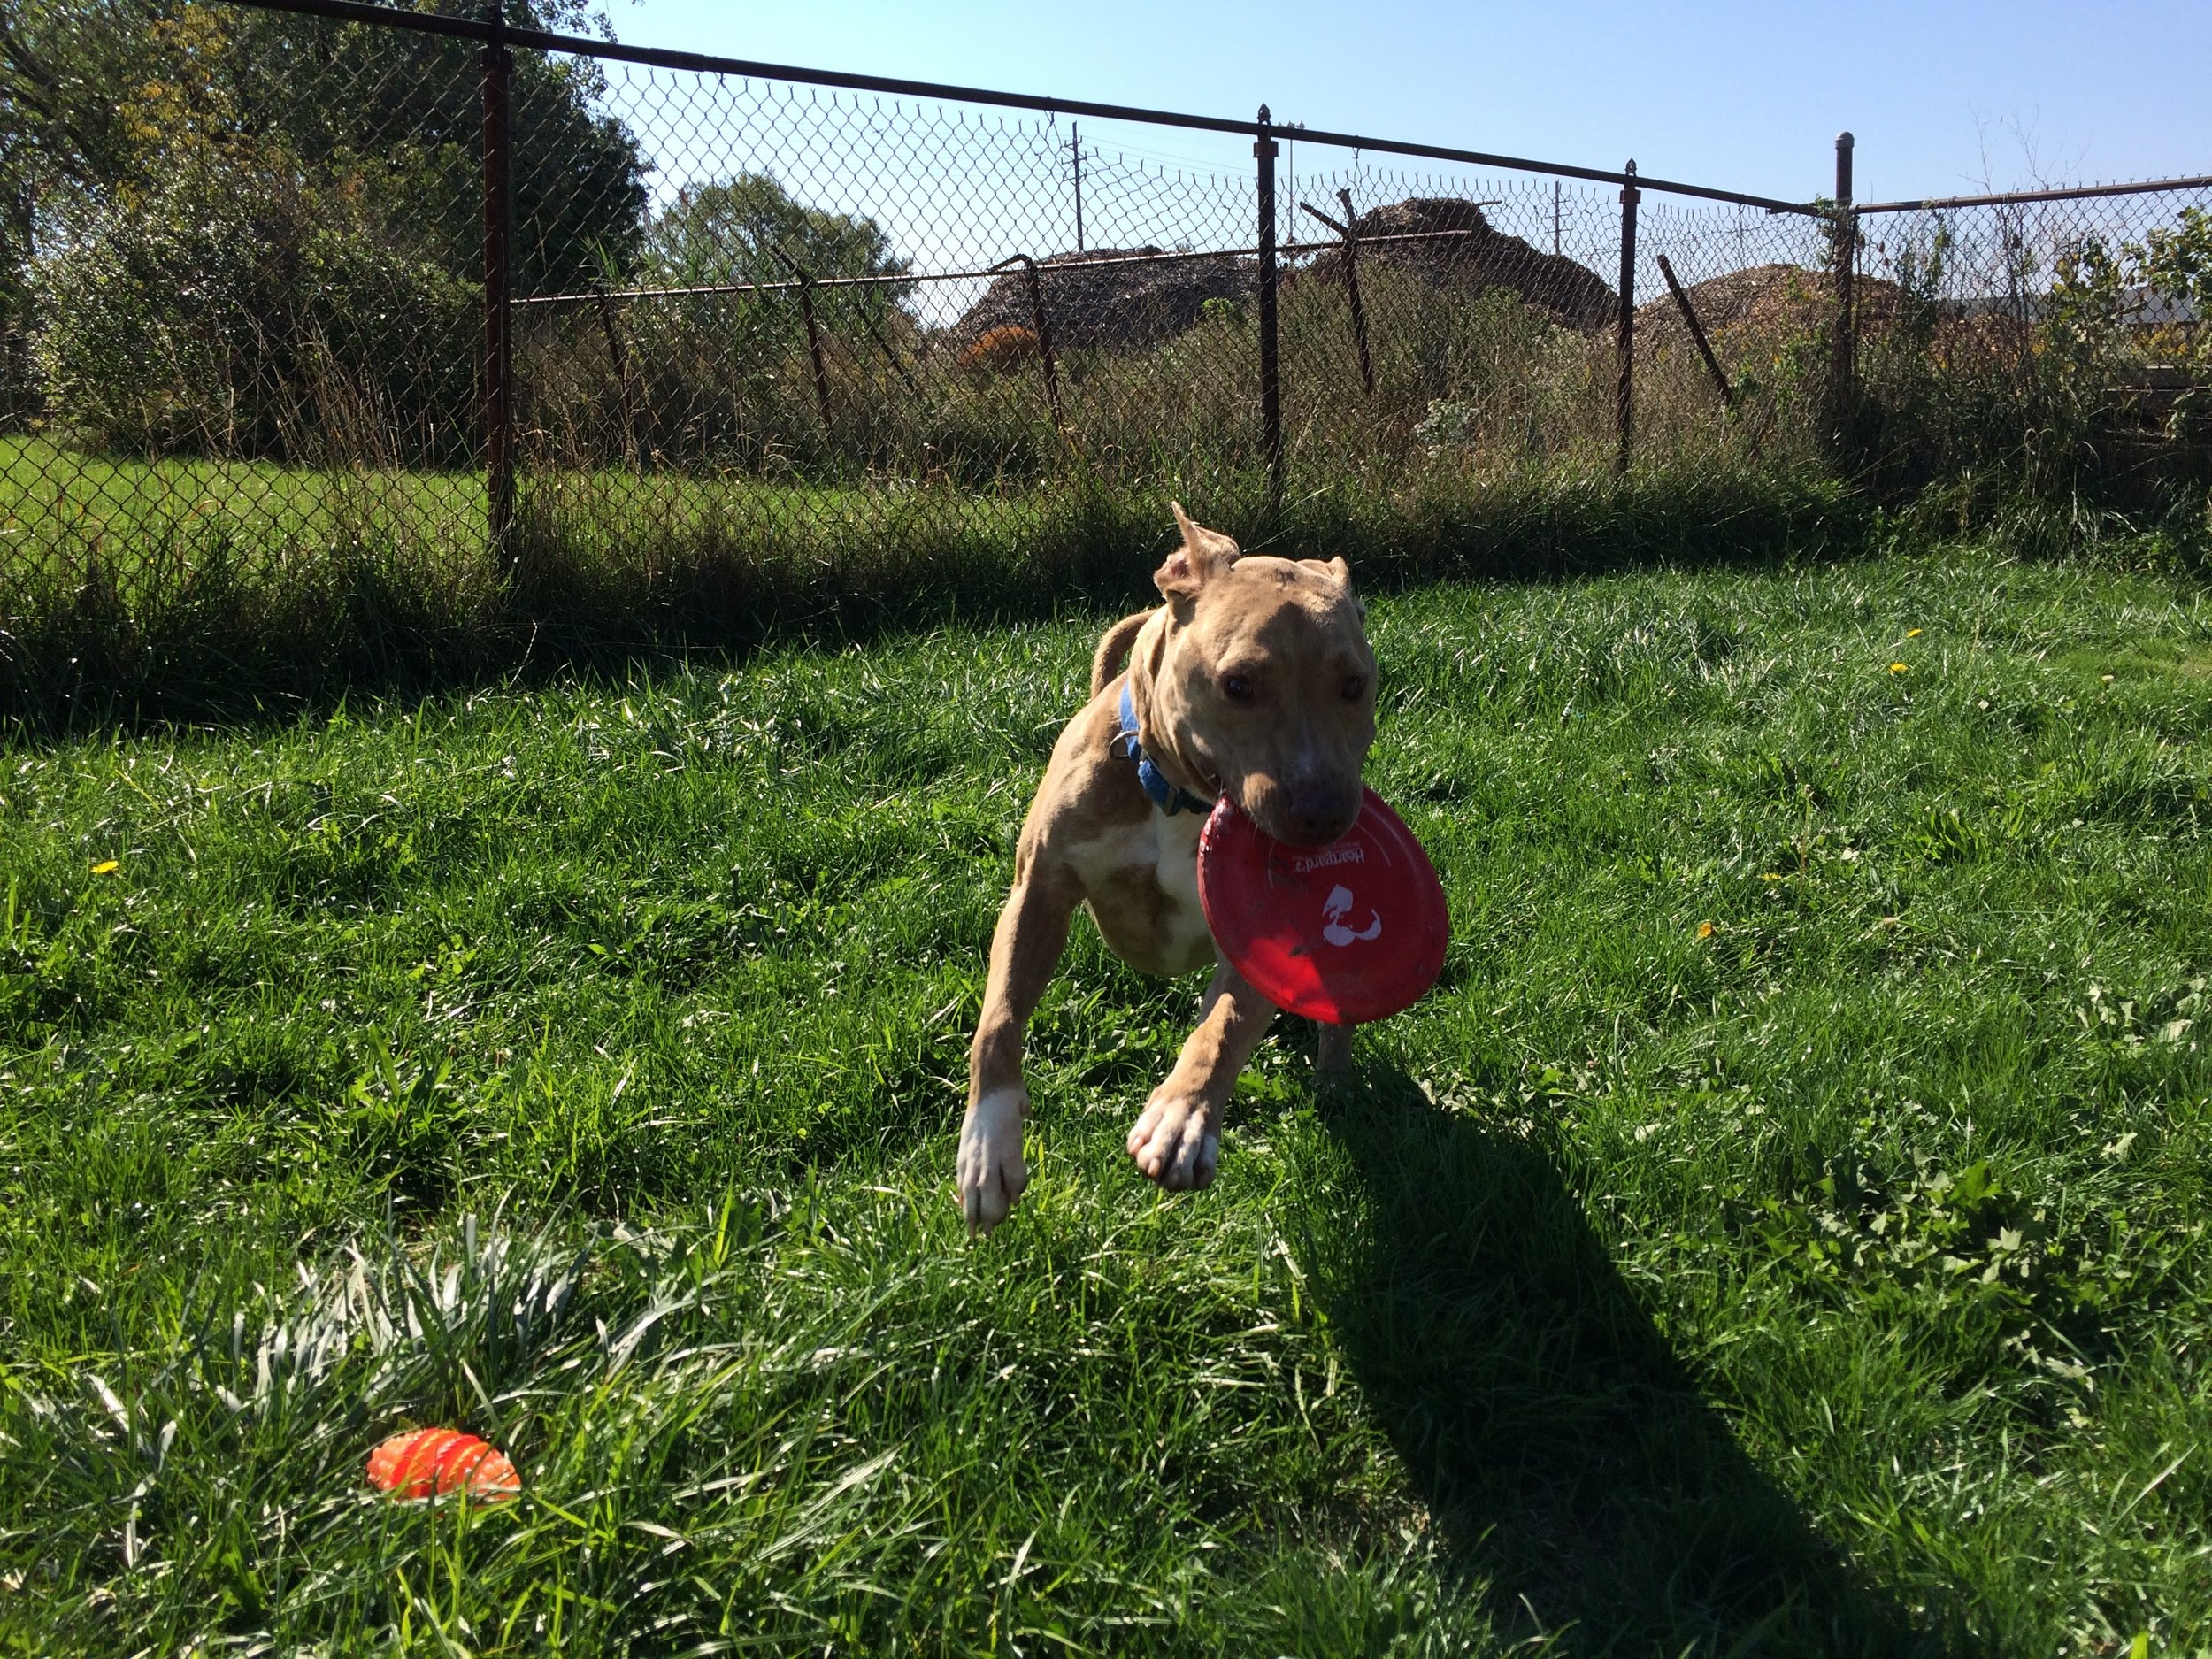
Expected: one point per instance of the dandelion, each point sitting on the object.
(1912, 633)
(1705, 930)
(1897, 668)
(107, 866)
(1770, 875)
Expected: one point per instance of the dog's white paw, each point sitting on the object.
(1178, 1141)
(991, 1170)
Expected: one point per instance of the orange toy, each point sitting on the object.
(424, 1463)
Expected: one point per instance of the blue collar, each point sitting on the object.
(1164, 795)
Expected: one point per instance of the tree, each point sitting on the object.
(2176, 265)
(239, 306)
(734, 230)
(62, 128)
(100, 98)
(342, 93)
(342, 154)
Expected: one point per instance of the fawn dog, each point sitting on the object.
(1255, 682)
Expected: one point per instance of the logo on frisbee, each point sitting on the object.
(1339, 902)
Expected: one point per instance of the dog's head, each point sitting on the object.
(1262, 683)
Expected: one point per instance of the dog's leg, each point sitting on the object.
(1332, 1049)
(1033, 931)
(1178, 1139)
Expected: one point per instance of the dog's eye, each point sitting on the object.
(1236, 687)
(1355, 687)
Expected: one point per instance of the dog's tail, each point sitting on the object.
(1113, 650)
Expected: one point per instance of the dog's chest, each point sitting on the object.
(1141, 883)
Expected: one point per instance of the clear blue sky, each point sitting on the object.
(1942, 96)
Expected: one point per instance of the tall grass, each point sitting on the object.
(686, 483)
(176, 590)
(712, 384)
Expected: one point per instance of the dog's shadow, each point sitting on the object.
(1566, 1459)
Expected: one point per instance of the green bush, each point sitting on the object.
(2080, 384)
(239, 309)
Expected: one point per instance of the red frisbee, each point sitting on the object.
(1344, 933)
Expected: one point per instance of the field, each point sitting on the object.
(138, 591)
(1783, 1230)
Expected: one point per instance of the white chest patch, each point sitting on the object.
(1140, 884)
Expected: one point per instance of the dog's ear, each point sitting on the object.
(1338, 571)
(1204, 554)
(1342, 571)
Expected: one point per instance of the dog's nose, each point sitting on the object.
(1320, 812)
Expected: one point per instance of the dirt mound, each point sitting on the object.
(1478, 257)
(1767, 302)
(1114, 297)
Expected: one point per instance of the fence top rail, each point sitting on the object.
(2074, 193)
(658, 58)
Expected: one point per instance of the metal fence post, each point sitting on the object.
(1271, 385)
(805, 280)
(618, 360)
(1351, 293)
(499, 412)
(1697, 334)
(1624, 388)
(1044, 339)
(1843, 373)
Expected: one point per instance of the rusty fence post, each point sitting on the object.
(1697, 334)
(1044, 338)
(891, 355)
(1843, 373)
(805, 280)
(1351, 284)
(618, 360)
(498, 383)
(1351, 293)
(1270, 367)
(1624, 388)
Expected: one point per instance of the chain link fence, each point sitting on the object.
(360, 325)
(2060, 332)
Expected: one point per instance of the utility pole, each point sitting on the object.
(1075, 148)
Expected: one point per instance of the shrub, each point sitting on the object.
(240, 308)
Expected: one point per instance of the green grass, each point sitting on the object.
(581, 1065)
(144, 593)
(54, 502)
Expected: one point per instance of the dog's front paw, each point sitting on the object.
(991, 1173)
(1177, 1140)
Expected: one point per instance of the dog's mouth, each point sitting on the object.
(1313, 816)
